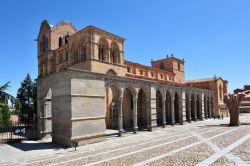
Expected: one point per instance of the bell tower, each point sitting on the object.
(49, 39)
(172, 64)
(43, 48)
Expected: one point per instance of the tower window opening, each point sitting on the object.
(60, 41)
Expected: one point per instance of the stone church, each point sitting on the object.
(85, 86)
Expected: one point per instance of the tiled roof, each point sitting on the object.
(200, 80)
(204, 80)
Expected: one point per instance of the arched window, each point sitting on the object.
(60, 41)
(74, 54)
(115, 53)
(44, 44)
(84, 53)
(83, 56)
(66, 39)
(111, 72)
(103, 50)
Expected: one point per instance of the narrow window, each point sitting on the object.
(43, 44)
(60, 41)
(179, 66)
(66, 39)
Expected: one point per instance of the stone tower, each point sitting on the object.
(49, 39)
(172, 64)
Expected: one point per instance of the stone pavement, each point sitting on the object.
(208, 142)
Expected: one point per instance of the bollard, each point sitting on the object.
(75, 144)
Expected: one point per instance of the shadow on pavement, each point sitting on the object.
(28, 146)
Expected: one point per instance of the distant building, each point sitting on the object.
(245, 88)
(219, 86)
(14, 118)
(245, 104)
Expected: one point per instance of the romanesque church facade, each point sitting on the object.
(86, 86)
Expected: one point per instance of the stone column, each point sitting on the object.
(163, 111)
(172, 110)
(189, 108)
(135, 127)
(202, 106)
(120, 123)
(94, 51)
(183, 108)
(195, 108)
(212, 107)
(151, 110)
(205, 107)
(209, 108)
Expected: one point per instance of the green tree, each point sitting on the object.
(4, 115)
(4, 109)
(25, 95)
(4, 96)
(17, 107)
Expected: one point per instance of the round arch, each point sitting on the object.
(74, 53)
(83, 49)
(103, 50)
(127, 108)
(142, 110)
(115, 53)
(111, 72)
(112, 107)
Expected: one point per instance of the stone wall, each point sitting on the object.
(78, 104)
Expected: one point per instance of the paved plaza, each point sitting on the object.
(208, 142)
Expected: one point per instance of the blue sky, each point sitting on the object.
(213, 36)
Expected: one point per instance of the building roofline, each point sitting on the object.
(151, 68)
(171, 57)
(94, 27)
(205, 80)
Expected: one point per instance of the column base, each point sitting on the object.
(135, 130)
(151, 127)
(120, 133)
